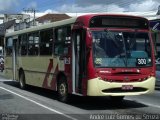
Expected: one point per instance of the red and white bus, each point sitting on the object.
(91, 55)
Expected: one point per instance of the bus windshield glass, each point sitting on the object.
(121, 49)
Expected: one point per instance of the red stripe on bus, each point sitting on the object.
(45, 82)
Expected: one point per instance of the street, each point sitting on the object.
(36, 103)
(94, 59)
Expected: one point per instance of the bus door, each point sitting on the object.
(78, 60)
(14, 57)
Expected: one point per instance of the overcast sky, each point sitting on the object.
(79, 6)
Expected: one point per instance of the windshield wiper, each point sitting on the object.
(109, 34)
(115, 38)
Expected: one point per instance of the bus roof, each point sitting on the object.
(84, 19)
(118, 15)
(41, 27)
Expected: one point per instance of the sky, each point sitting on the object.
(78, 6)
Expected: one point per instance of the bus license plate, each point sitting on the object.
(127, 87)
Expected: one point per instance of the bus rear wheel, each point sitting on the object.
(62, 90)
(22, 83)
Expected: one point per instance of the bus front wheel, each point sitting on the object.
(22, 81)
(62, 90)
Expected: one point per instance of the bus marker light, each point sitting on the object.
(139, 79)
(138, 70)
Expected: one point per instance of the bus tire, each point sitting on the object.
(62, 90)
(22, 83)
(117, 98)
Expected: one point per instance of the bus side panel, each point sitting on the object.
(8, 67)
(39, 70)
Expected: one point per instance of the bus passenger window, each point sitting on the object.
(59, 49)
(23, 44)
(46, 42)
(62, 35)
(33, 45)
(9, 46)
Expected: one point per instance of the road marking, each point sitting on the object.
(150, 104)
(2, 80)
(157, 106)
(48, 108)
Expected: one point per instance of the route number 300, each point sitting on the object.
(141, 61)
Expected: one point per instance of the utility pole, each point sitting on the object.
(31, 10)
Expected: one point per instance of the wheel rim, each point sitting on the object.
(21, 81)
(62, 89)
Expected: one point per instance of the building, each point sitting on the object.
(15, 22)
(52, 18)
(8, 22)
(3, 28)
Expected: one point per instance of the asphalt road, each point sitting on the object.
(40, 104)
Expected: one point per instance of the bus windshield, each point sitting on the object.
(121, 49)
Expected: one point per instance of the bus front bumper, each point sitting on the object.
(97, 87)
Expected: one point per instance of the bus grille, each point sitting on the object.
(119, 90)
(124, 81)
